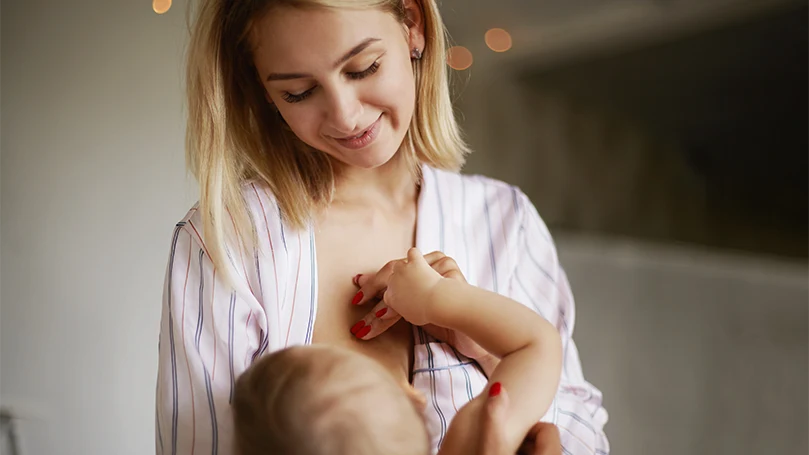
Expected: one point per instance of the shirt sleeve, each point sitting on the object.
(209, 333)
(539, 282)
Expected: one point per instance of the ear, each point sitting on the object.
(414, 21)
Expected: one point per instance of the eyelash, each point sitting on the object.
(291, 98)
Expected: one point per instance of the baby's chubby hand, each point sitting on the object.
(410, 288)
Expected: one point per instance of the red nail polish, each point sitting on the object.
(364, 331)
(356, 279)
(494, 390)
(357, 298)
(357, 327)
(381, 312)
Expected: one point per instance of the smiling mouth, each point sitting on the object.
(364, 138)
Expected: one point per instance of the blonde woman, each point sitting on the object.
(324, 142)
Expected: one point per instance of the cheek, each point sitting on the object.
(395, 91)
(303, 123)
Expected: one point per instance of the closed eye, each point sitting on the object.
(298, 97)
(365, 73)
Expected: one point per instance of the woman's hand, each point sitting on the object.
(374, 286)
(542, 438)
(405, 287)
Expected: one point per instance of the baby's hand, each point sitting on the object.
(416, 274)
(410, 288)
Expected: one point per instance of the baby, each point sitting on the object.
(323, 400)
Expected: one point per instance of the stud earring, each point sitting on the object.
(415, 54)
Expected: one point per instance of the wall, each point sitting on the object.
(92, 183)
(695, 351)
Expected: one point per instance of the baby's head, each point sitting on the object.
(323, 400)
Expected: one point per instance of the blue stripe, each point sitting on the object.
(440, 212)
(448, 367)
(601, 452)
(463, 225)
(578, 419)
(281, 223)
(465, 373)
(157, 424)
(525, 291)
(175, 405)
(491, 241)
(212, 409)
(313, 275)
(201, 289)
(258, 274)
(231, 317)
(431, 364)
(565, 451)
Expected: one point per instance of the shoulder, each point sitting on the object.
(262, 207)
(485, 193)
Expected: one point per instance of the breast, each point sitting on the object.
(335, 317)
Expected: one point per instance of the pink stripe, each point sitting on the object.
(199, 237)
(213, 324)
(295, 292)
(240, 244)
(247, 332)
(272, 251)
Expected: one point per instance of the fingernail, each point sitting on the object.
(356, 279)
(494, 390)
(364, 331)
(357, 298)
(381, 312)
(357, 327)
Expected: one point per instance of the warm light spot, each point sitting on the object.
(161, 6)
(498, 40)
(459, 58)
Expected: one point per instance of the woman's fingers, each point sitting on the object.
(542, 439)
(373, 285)
(381, 318)
(492, 425)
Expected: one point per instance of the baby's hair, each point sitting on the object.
(302, 401)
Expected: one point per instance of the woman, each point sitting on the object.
(323, 139)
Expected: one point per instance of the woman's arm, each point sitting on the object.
(208, 335)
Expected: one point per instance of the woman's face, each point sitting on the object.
(341, 79)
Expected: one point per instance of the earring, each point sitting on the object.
(415, 54)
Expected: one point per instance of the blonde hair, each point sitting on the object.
(234, 136)
(308, 400)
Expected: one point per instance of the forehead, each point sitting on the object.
(287, 38)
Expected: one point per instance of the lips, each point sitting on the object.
(363, 139)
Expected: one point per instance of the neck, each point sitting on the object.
(390, 186)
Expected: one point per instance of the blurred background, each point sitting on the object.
(663, 141)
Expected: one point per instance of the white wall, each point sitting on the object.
(93, 181)
(696, 352)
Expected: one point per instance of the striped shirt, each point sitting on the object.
(211, 332)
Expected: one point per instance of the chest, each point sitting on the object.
(345, 249)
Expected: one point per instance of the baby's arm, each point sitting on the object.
(529, 348)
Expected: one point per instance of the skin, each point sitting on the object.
(373, 215)
(350, 69)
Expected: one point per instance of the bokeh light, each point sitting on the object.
(161, 6)
(498, 40)
(459, 58)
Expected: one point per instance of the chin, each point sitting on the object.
(374, 156)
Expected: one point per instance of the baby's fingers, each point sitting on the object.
(380, 319)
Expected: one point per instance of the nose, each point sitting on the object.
(343, 112)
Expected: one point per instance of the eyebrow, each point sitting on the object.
(348, 55)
